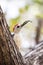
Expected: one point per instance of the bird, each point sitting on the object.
(18, 27)
(18, 35)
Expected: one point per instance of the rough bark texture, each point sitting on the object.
(9, 52)
(35, 57)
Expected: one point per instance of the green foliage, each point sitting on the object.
(22, 10)
(26, 7)
(38, 2)
(39, 16)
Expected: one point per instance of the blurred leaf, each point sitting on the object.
(39, 1)
(39, 16)
(22, 10)
(26, 7)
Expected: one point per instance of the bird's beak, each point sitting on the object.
(25, 23)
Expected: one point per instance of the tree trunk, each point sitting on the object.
(38, 30)
(9, 52)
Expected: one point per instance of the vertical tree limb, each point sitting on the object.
(9, 51)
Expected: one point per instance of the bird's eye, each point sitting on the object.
(18, 26)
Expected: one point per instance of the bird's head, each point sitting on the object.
(16, 28)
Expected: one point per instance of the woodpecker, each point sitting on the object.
(18, 37)
(18, 27)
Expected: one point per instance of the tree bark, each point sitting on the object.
(38, 30)
(9, 52)
(35, 57)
